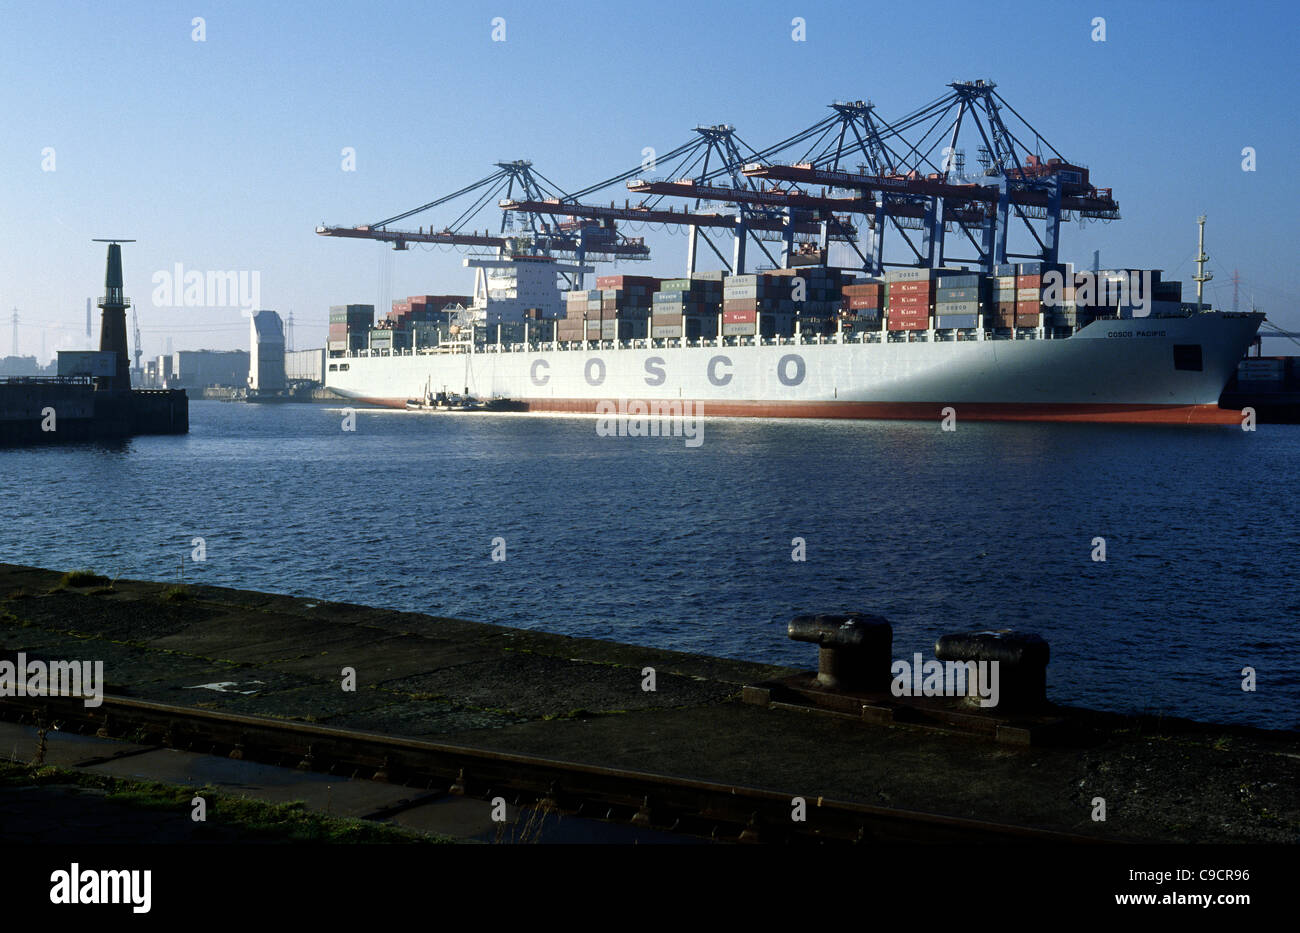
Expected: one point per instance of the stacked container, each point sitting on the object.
(959, 299)
(698, 299)
(757, 303)
(822, 296)
(911, 292)
(349, 328)
(864, 302)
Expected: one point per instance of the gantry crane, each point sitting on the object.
(902, 183)
(536, 233)
(899, 181)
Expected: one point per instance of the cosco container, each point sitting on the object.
(909, 275)
(957, 307)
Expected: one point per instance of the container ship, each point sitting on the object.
(1031, 341)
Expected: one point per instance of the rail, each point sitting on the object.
(669, 802)
(46, 380)
(935, 335)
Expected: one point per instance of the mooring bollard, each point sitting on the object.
(1022, 665)
(853, 648)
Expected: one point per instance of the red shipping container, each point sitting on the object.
(1029, 281)
(909, 288)
(1026, 320)
(1027, 307)
(624, 281)
(863, 303)
(897, 324)
(739, 317)
(909, 301)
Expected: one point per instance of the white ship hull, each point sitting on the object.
(1121, 370)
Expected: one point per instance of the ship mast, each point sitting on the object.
(1201, 276)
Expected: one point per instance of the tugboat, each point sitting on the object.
(446, 401)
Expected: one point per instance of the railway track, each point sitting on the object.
(719, 811)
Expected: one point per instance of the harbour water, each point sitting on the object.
(650, 541)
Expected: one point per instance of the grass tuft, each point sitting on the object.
(80, 578)
(176, 594)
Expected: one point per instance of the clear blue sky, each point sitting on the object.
(225, 154)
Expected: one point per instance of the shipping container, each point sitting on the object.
(957, 307)
(1029, 281)
(895, 323)
(956, 294)
(910, 288)
(908, 275)
(624, 281)
(909, 301)
(1026, 320)
(1263, 369)
(961, 280)
(1028, 307)
(955, 321)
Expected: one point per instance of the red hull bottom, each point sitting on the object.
(917, 411)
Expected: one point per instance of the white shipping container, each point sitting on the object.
(957, 307)
(909, 275)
